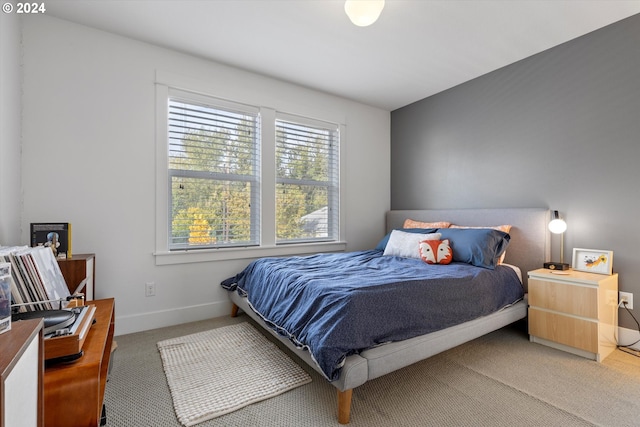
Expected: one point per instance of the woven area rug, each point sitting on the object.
(219, 371)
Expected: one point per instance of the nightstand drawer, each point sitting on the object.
(565, 298)
(571, 331)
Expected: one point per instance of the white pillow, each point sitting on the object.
(407, 245)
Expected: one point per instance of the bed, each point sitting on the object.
(385, 350)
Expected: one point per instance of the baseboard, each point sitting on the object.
(128, 324)
(628, 336)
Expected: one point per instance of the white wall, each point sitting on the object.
(10, 125)
(89, 159)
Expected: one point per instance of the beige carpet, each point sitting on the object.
(499, 380)
(219, 371)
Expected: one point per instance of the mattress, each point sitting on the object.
(336, 305)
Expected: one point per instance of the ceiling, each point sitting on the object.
(416, 49)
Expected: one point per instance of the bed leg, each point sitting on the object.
(234, 310)
(344, 406)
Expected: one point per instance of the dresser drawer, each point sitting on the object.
(567, 330)
(565, 298)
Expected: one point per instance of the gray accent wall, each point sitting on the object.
(560, 129)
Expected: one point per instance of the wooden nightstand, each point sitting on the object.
(78, 268)
(576, 312)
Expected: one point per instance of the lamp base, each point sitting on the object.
(556, 266)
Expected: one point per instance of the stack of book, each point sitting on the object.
(36, 279)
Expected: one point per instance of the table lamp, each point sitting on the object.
(558, 226)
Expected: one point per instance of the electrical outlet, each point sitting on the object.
(150, 289)
(628, 298)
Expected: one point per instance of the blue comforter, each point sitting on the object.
(335, 305)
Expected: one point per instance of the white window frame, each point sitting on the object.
(268, 246)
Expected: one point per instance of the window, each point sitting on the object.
(307, 180)
(213, 174)
(240, 181)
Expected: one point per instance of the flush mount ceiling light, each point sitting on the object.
(363, 12)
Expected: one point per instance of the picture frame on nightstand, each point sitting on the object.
(593, 261)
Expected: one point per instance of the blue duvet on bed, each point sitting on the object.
(335, 305)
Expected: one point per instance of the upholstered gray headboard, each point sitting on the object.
(530, 241)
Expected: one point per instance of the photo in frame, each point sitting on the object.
(593, 261)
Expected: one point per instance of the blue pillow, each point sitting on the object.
(476, 246)
(383, 243)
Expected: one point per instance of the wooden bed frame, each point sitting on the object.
(529, 249)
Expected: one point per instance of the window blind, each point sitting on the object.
(214, 173)
(307, 180)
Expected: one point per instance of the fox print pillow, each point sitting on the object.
(436, 251)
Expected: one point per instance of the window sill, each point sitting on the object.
(224, 254)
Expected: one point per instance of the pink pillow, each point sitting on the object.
(436, 251)
(409, 223)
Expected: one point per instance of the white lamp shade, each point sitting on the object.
(557, 226)
(363, 12)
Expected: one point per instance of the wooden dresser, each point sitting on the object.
(74, 392)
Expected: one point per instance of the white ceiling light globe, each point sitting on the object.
(363, 12)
